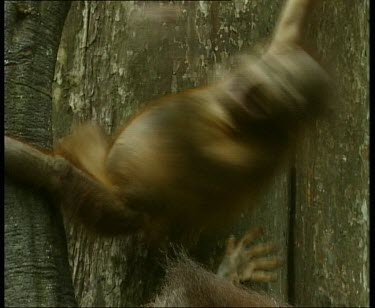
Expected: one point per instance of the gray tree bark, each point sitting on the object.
(331, 224)
(111, 62)
(113, 59)
(36, 263)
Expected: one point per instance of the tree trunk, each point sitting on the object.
(110, 63)
(331, 254)
(115, 59)
(36, 264)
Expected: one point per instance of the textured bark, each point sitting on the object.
(332, 210)
(36, 263)
(111, 62)
(113, 59)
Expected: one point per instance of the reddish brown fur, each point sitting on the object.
(189, 285)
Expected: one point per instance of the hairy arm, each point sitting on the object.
(81, 196)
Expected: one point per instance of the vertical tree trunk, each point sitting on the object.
(332, 209)
(110, 63)
(113, 59)
(36, 266)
